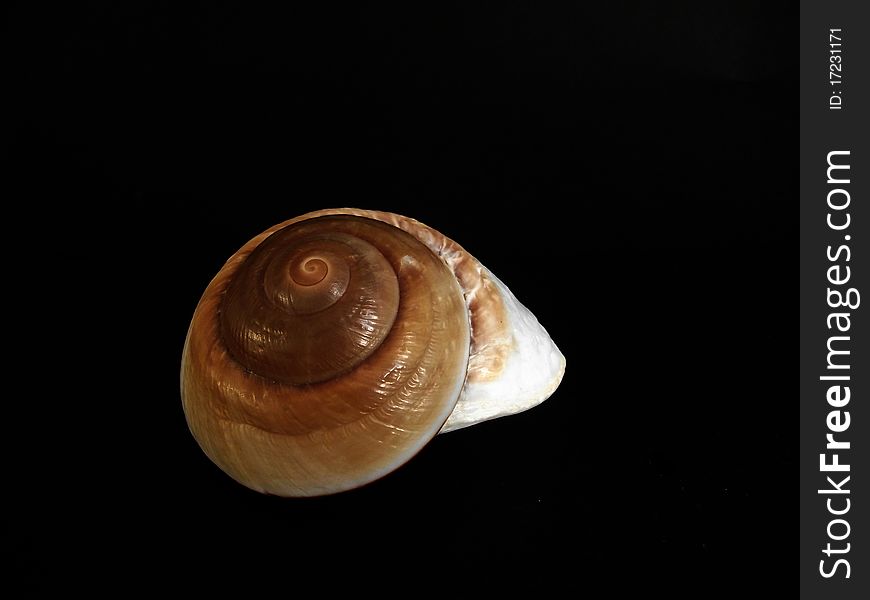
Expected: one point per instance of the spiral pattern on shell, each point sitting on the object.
(324, 355)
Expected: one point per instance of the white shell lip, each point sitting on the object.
(532, 372)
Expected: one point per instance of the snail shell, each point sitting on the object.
(332, 347)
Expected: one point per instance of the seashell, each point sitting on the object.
(332, 347)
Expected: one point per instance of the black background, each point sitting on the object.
(627, 169)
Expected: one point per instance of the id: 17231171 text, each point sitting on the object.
(835, 68)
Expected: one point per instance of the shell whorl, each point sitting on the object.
(324, 354)
(311, 302)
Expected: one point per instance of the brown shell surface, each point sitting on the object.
(326, 353)
(491, 339)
